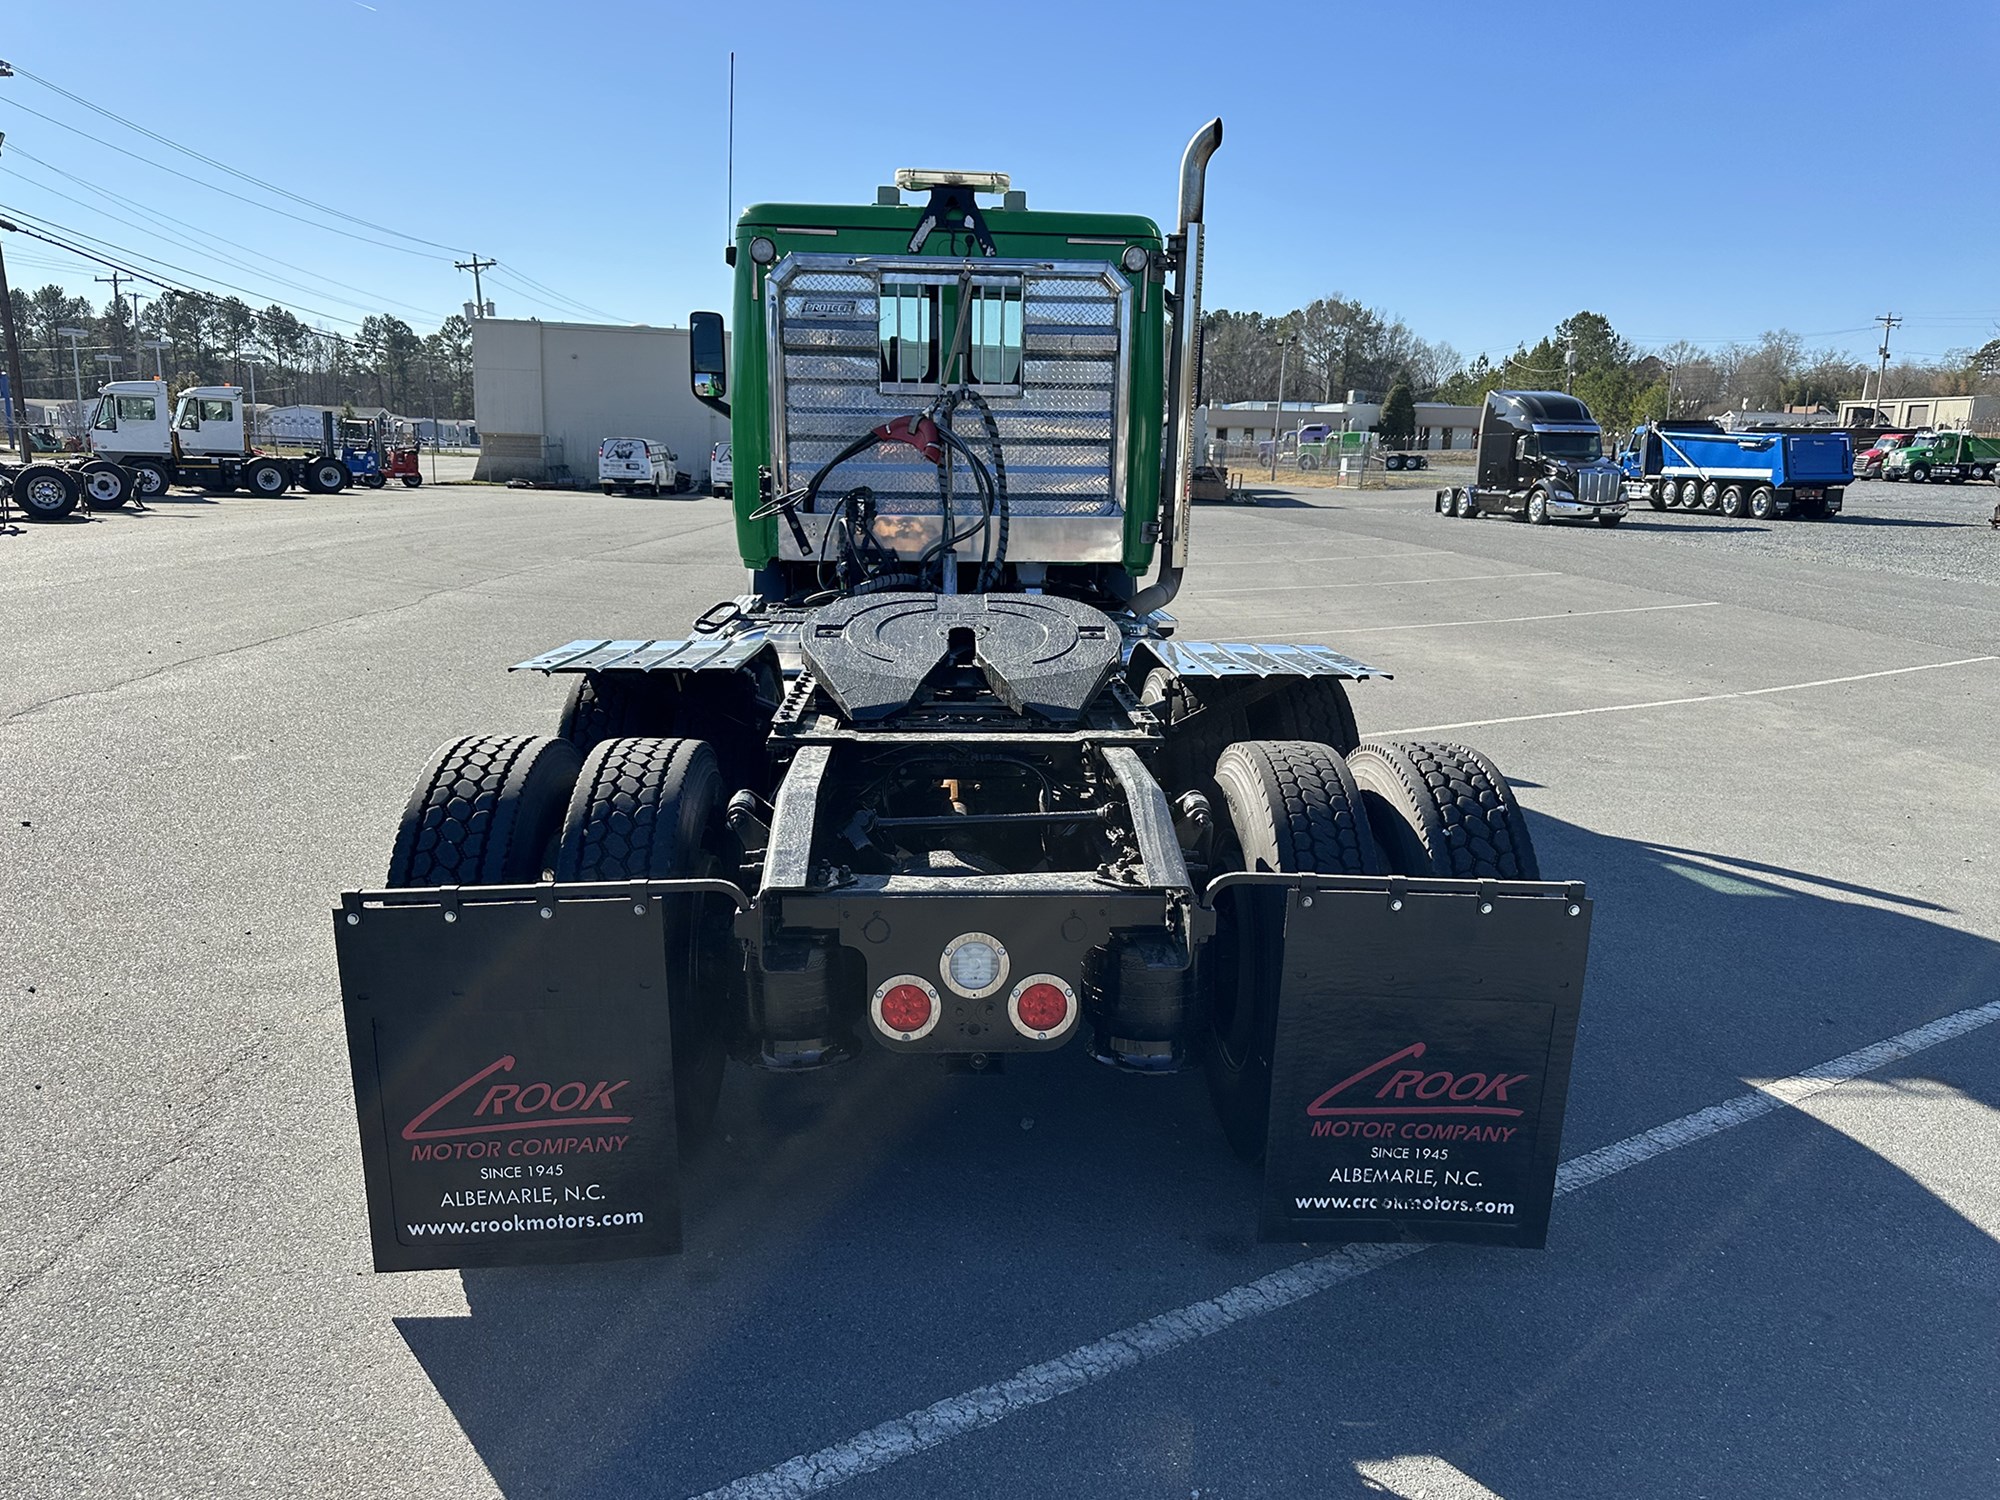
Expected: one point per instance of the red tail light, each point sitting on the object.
(1042, 1007)
(905, 1007)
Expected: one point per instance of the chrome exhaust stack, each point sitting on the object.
(1176, 506)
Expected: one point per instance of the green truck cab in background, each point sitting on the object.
(1951, 456)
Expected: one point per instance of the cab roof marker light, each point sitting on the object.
(979, 182)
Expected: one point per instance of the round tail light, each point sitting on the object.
(1042, 1007)
(906, 1007)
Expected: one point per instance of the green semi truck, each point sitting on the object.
(947, 784)
(1952, 457)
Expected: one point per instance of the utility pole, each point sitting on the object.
(1888, 321)
(156, 345)
(75, 337)
(117, 302)
(17, 396)
(437, 432)
(1284, 348)
(475, 266)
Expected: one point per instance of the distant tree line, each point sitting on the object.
(217, 340)
(1335, 345)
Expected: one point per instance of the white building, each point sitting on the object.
(544, 395)
(1439, 426)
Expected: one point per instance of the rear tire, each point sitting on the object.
(327, 476)
(1656, 494)
(375, 481)
(1314, 709)
(265, 477)
(1292, 807)
(1734, 502)
(647, 809)
(105, 486)
(1763, 503)
(617, 705)
(1443, 810)
(412, 481)
(46, 492)
(1468, 508)
(1711, 497)
(486, 811)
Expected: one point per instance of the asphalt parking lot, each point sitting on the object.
(1768, 748)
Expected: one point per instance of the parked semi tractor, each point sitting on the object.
(1698, 465)
(197, 441)
(1952, 457)
(1540, 459)
(946, 783)
(1869, 462)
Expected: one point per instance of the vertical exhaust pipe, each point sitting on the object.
(1176, 507)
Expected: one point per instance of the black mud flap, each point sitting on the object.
(1424, 1036)
(513, 1072)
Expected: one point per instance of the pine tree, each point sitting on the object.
(1397, 426)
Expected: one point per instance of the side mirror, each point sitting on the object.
(708, 360)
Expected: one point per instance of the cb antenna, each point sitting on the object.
(729, 227)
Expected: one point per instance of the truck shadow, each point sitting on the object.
(864, 1241)
(1845, 519)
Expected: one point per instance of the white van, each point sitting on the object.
(720, 472)
(628, 466)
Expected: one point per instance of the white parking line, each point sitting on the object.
(1371, 583)
(1574, 614)
(1308, 562)
(955, 1416)
(1625, 708)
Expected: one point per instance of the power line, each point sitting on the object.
(216, 187)
(49, 223)
(188, 244)
(165, 218)
(222, 166)
(508, 274)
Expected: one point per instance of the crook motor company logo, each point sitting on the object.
(1378, 1101)
(468, 1119)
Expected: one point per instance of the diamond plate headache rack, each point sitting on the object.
(1254, 659)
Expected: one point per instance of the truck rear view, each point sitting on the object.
(946, 786)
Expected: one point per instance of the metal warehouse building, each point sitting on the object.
(1975, 413)
(545, 395)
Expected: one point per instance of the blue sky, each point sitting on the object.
(1689, 170)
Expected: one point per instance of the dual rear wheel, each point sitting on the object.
(1415, 808)
(516, 809)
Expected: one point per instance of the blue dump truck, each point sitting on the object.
(1698, 465)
